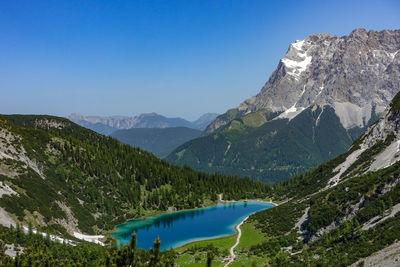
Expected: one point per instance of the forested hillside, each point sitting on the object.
(294, 146)
(160, 141)
(337, 214)
(36, 250)
(342, 211)
(345, 212)
(64, 178)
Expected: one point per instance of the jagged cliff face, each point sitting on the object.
(357, 75)
(324, 93)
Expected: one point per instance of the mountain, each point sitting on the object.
(324, 93)
(160, 141)
(204, 120)
(108, 125)
(97, 127)
(346, 211)
(63, 178)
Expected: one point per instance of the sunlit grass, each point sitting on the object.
(250, 236)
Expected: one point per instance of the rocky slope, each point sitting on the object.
(342, 211)
(354, 74)
(107, 125)
(346, 80)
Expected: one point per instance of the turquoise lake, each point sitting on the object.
(178, 228)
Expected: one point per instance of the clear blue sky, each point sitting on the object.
(177, 58)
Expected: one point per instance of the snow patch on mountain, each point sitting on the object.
(357, 75)
(53, 238)
(90, 238)
(293, 111)
(297, 61)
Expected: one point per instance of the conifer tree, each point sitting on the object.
(210, 256)
(108, 259)
(157, 246)
(390, 204)
(382, 207)
(132, 243)
(132, 248)
(357, 229)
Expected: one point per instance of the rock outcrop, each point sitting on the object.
(356, 74)
(325, 93)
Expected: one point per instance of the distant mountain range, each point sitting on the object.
(108, 125)
(151, 132)
(159, 141)
(324, 93)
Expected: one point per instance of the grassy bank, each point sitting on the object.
(195, 254)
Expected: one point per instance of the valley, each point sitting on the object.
(305, 173)
(151, 132)
(81, 175)
(317, 210)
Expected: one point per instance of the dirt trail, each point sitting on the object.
(237, 242)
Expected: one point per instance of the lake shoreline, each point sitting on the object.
(198, 239)
(235, 227)
(215, 238)
(249, 200)
(108, 233)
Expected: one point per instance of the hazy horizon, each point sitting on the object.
(118, 115)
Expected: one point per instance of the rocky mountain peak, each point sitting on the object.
(359, 33)
(357, 75)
